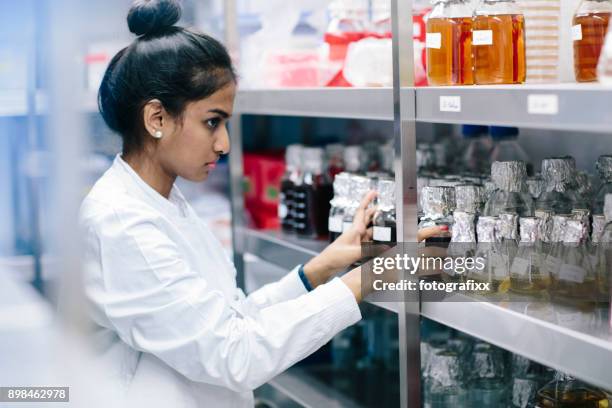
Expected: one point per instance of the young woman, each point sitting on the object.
(172, 327)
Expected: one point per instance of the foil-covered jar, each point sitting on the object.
(511, 195)
(438, 204)
(604, 167)
(558, 173)
(536, 186)
(469, 198)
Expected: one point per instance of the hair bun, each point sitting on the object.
(153, 16)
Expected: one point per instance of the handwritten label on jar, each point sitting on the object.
(382, 234)
(433, 40)
(450, 104)
(543, 104)
(482, 37)
(520, 266)
(572, 273)
(577, 32)
(334, 224)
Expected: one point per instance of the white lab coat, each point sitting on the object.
(171, 324)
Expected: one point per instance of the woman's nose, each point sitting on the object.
(222, 144)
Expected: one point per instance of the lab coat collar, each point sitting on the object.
(174, 205)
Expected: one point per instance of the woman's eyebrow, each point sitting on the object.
(220, 112)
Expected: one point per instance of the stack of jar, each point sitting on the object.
(322, 187)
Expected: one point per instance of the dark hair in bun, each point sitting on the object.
(153, 16)
(172, 64)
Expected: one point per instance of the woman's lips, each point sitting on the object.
(212, 166)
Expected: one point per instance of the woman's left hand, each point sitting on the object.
(346, 249)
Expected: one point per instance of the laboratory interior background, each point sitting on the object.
(470, 114)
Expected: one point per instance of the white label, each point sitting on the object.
(433, 40)
(382, 234)
(450, 104)
(543, 104)
(416, 30)
(520, 266)
(482, 37)
(577, 32)
(572, 273)
(334, 224)
(282, 211)
(499, 263)
(346, 226)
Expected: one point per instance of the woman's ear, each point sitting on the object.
(154, 116)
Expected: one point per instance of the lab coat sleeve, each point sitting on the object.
(157, 304)
(287, 288)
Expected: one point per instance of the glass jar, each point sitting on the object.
(558, 173)
(469, 198)
(438, 204)
(510, 195)
(358, 188)
(446, 380)
(506, 146)
(526, 272)
(487, 383)
(476, 155)
(589, 28)
(449, 43)
(499, 43)
(291, 178)
(338, 205)
(488, 248)
(566, 391)
(604, 168)
(384, 230)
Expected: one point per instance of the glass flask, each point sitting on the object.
(358, 188)
(338, 205)
(600, 249)
(312, 196)
(476, 154)
(507, 233)
(293, 157)
(604, 168)
(552, 260)
(487, 384)
(463, 242)
(527, 378)
(499, 43)
(526, 272)
(589, 28)
(489, 248)
(558, 173)
(574, 281)
(384, 221)
(438, 204)
(446, 380)
(567, 392)
(449, 43)
(510, 195)
(506, 146)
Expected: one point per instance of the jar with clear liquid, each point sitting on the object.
(511, 195)
(499, 43)
(449, 43)
(489, 248)
(567, 392)
(446, 381)
(604, 168)
(601, 253)
(589, 28)
(487, 382)
(338, 205)
(288, 184)
(558, 173)
(526, 272)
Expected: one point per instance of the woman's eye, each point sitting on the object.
(213, 123)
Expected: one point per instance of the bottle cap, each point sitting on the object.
(464, 229)
(604, 167)
(559, 222)
(473, 131)
(599, 223)
(545, 225)
(530, 228)
(293, 155)
(486, 229)
(507, 226)
(341, 189)
(468, 198)
(575, 232)
(509, 176)
(437, 202)
(558, 172)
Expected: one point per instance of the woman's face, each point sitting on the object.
(192, 145)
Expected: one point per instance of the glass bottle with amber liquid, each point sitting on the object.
(449, 43)
(589, 28)
(498, 43)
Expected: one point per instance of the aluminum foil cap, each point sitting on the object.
(437, 202)
(599, 224)
(386, 194)
(469, 198)
(608, 207)
(313, 159)
(530, 228)
(464, 228)
(558, 172)
(507, 226)
(583, 215)
(341, 189)
(509, 176)
(545, 225)
(293, 156)
(535, 186)
(604, 167)
(583, 184)
(359, 186)
(575, 232)
(486, 229)
(559, 222)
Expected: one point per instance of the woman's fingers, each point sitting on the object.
(369, 215)
(365, 202)
(429, 232)
(369, 234)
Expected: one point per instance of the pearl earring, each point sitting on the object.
(158, 134)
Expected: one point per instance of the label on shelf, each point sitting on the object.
(433, 40)
(520, 266)
(577, 32)
(334, 224)
(382, 234)
(551, 264)
(543, 104)
(450, 104)
(346, 226)
(482, 37)
(572, 273)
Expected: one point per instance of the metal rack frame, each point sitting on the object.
(554, 107)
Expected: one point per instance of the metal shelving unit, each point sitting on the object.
(554, 339)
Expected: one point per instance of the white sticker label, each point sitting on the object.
(346, 226)
(416, 30)
(499, 263)
(577, 32)
(335, 224)
(433, 40)
(572, 273)
(482, 37)
(450, 104)
(551, 264)
(543, 104)
(520, 266)
(382, 234)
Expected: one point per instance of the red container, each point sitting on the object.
(263, 173)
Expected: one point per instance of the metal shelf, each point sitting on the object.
(574, 342)
(357, 103)
(583, 107)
